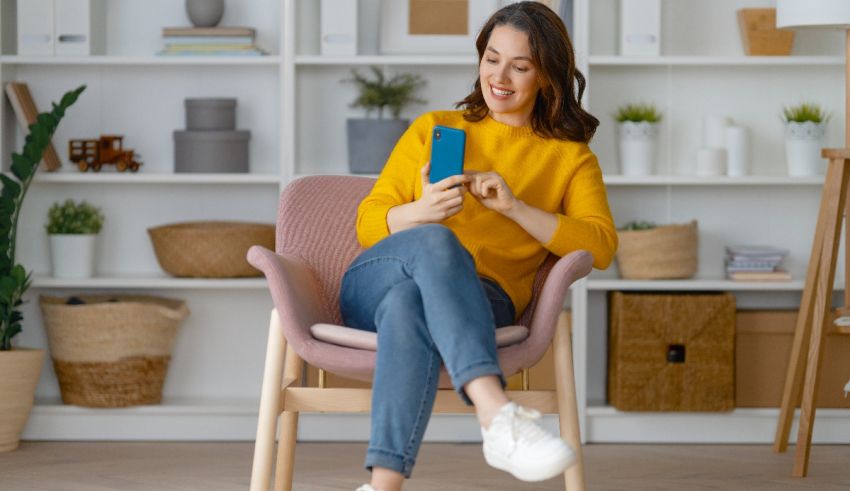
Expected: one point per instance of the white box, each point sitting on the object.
(80, 27)
(35, 27)
(338, 27)
(640, 27)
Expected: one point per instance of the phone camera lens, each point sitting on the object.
(437, 134)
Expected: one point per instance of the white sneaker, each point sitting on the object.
(515, 443)
(366, 487)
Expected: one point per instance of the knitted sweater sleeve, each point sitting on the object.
(586, 222)
(397, 184)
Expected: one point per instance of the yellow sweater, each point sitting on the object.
(561, 177)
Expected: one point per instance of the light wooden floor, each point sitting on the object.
(47, 466)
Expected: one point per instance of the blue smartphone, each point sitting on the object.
(447, 147)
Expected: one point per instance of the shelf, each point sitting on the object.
(463, 60)
(139, 60)
(697, 284)
(173, 419)
(743, 425)
(671, 180)
(597, 60)
(153, 178)
(305, 174)
(152, 282)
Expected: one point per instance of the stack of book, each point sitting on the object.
(755, 263)
(209, 41)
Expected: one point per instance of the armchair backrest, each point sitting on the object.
(316, 223)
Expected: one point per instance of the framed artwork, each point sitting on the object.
(433, 26)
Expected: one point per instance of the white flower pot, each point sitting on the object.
(638, 144)
(803, 144)
(72, 255)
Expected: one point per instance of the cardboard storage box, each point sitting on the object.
(764, 339)
(671, 352)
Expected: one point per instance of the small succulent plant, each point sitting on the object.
(637, 113)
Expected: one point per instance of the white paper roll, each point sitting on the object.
(737, 151)
(713, 131)
(711, 161)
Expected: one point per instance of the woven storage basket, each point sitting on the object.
(112, 351)
(671, 352)
(209, 249)
(659, 253)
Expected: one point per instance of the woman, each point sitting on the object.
(447, 263)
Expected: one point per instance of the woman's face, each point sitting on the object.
(508, 76)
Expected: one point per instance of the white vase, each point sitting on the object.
(803, 144)
(638, 143)
(72, 255)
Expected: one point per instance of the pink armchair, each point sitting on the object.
(316, 241)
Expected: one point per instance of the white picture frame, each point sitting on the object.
(396, 40)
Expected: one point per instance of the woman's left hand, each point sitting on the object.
(491, 190)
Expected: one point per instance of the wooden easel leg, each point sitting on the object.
(567, 407)
(837, 190)
(796, 367)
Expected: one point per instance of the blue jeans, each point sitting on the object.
(418, 289)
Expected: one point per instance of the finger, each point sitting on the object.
(425, 172)
(452, 203)
(451, 181)
(454, 211)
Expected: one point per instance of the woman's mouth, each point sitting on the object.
(500, 93)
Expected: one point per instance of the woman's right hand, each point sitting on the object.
(439, 201)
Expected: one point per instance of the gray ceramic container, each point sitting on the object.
(210, 114)
(211, 151)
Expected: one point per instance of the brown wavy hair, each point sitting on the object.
(557, 111)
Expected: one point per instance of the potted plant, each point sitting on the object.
(73, 228)
(638, 138)
(371, 140)
(20, 368)
(805, 127)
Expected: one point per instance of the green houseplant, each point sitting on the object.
(73, 228)
(638, 127)
(20, 368)
(805, 128)
(371, 140)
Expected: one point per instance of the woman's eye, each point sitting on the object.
(491, 61)
(520, 69)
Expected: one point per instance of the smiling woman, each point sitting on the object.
(446, 263)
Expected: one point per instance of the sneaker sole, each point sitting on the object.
(536, 475)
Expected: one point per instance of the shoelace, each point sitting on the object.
(524, 424)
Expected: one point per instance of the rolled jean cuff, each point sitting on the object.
(388, 460)
(471, 373)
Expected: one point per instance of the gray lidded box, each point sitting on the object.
(211, 151)
(210, 114)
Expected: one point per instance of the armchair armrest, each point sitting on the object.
(295, 292)
(567, 270)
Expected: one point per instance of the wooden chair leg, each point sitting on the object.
(567, 406)
(285, 464)
(261, 471)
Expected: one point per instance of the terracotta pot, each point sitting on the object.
(20, 369)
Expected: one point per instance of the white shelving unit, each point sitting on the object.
(702, 71)
(213, 385)
(295, 104)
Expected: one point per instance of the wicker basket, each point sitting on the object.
(666, 252)
(209, 249)
(671, 352)
(112, 351)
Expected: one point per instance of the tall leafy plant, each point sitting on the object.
(14, 279)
